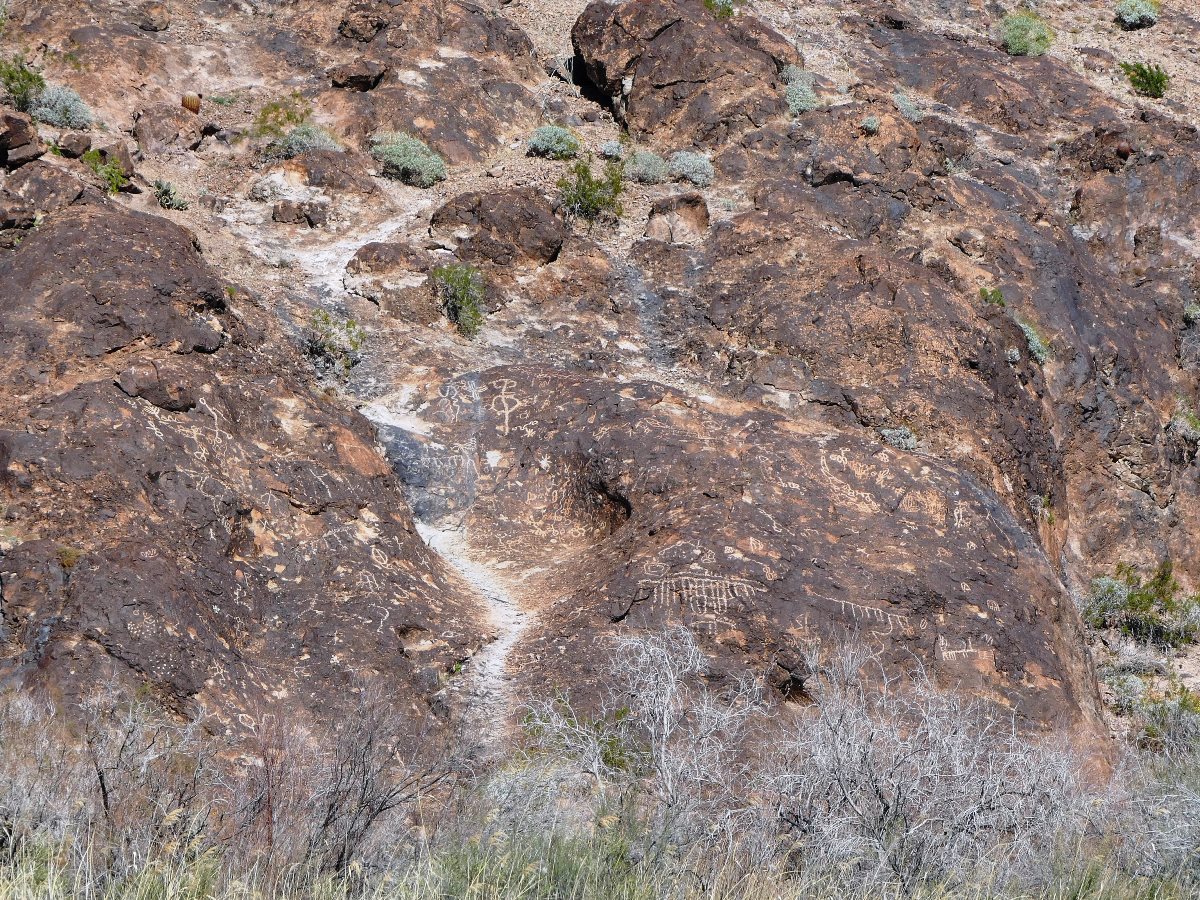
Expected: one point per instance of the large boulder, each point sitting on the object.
(672, 69)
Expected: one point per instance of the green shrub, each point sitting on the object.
(334, 343)
(692, 167)
(460, 288)
(110, 172)
(22, 83)
(645, 167)
(587, 197)
(304, 138)
(62, 107)
(992, 296)
(1147, 80)
(1191, 314)
(1025, 34)
(1185, 423)
(408, 159)
(168, 197)
(722, 9)
(1128, 692)
(275, 118)
(907, 108)
(554, 142)
(870, 125)
(1151, 611)
(1135, 14)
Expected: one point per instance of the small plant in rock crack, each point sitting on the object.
(1147, 80)
(992, 296)
(110, 172)
(588, 197)
(906, 107)
(870, 125)
(1038, 348)
(1134, 14)
(1025, 34)
(554, 142)
(334, 343)
(21, 82)
(461, 289)
(901, 438)
(168, 197)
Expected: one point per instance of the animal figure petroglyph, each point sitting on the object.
(872, 616)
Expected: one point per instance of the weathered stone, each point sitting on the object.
(359, 75)
(292, 212)
(19, 142)
(504, 227)
(680, 219)
(154, 17)
(167, 127)
(74, 144)
(669, 67)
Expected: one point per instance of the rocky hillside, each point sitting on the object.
(889, 331)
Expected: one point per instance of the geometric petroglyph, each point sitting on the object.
(699, 590)
(873, 616)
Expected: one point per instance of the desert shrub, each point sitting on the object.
(695, 168)
(645, 167)
(870, 124)
(334, 343)
(722, 9)
(1128, 691)
(461, 288)
(906, 107)
(276, 117)
(62, 107)
(612, 150)
(168, 197)
(1152, 610)
(992, 296)
(110, 172)
(1147, 80)
(1185, 423)
(588, 197)
(1134, 14)
(1025, 34)
(1191, 314)
(799, 92)
(1170, 721)
(1038, 348)
(408, 159)
(901, 438)
(304, 138)
(554, 142)
(21, 82)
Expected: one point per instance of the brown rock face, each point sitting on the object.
(176, 492)
(167, 127)
(679, 219)
(674, 70)
(504, 228)
(360, 75)
(19, 142)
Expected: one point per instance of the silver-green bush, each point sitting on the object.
(692, 167)
(1026, 34)
(1134, 14)
(407, 159)
(799, 93)
(646, 167)
(554, 142)
(302, 139)
(60, 106)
